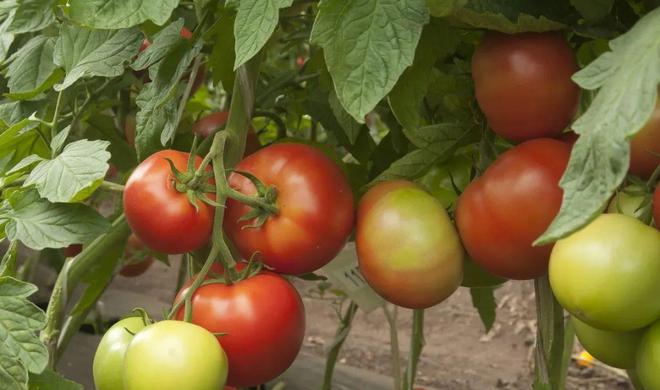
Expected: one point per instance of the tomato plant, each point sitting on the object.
(262, 322)
(656, 206)
(592, 283)
(481, 140)
(174, 355)
(523, 84)
(109, 358)
(315, 208)
(408, 249)
(499, 207)
(160, 214)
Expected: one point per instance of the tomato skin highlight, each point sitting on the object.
(174, 355)
(607, 274)
(159, 215)
(109, 356)
(645, 146)
(648, 358)
(511, 205)
(616, 349)
(523, 84)
(264, 321)
(315, 208)
(408, 249)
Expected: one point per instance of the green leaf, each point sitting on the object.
(483, 299)
(51, 380)
(255, 22)
(512, 16)
(628, 77)
(31, 15)
(58, 141)
(163, 43)
(442, 8)
(350, 126)
(20, 320)
(73, 175)
(437, 143)
(39, 224)
(122, 154)
(8, 263)
(438, 40)
(223, 55)
(115, 14)
(25, 163)
(31, 69)
(14, 111)
(367, 45)
(593, 9)
(153, 121)
(86, 53)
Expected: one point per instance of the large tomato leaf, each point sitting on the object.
(31, 69)
(223, 55)
(30, 15)
(20, 320)
(85, 53)
(39, 224)
(593, 9)
(405, 99)
(627, 78)
(367, 45)
(255, 22)
(51, 380)
(115, 14)
(73, 175)
(504, 15)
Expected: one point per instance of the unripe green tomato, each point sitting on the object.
(109, 357)
(648, 359)
(438, 180)
(408, 249)
(628, 202)
(608, 273)
(475, 276)
(616, 349)
(174, 355)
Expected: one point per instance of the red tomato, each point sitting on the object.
(501, 213)
(135, 266)
(263, 319)
(523, 84)
(656, 206)
(645, 146)
(158, 214)
(208, 124)
(72, 250)
(315, 208)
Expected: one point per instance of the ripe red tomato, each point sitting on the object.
(72, 250)
(501, 213)
(263, 319)
(656, 206)
(137, 263)
(523, 84)
(162, 217)
(408, 249)
(207, 125)
(645, 146)
(315, 208)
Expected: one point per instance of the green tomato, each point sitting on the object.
(174, 355)
(616, 349)
(607, 274)
(629, 201)
(475, 276)
(109, 357)
(648, 359)
(440, 180)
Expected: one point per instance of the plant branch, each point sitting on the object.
(394, 345)
(340, 336)
(416, 346)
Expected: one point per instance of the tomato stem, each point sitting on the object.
(416, 346)
(340, 336)
(394, 345)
